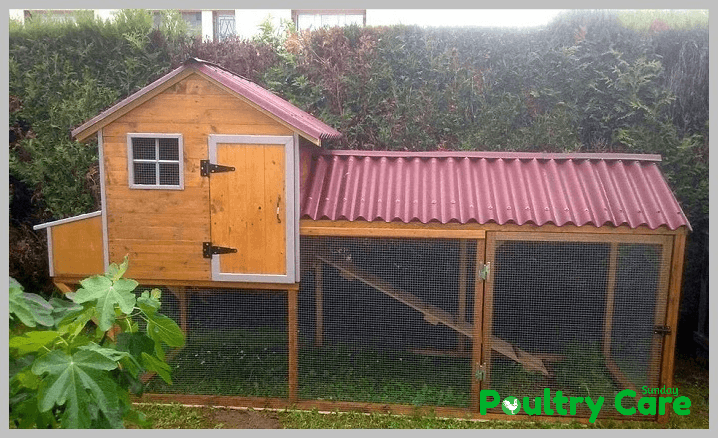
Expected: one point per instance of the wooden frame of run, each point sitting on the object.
(673, 242)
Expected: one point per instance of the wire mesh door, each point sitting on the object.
(575, 313)
(387, 320)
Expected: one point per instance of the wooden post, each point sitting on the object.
(610, 296)
(181, 293)
(319, 304)
(63, 287)
(477, 344)
(674, 298)
(293, 346)
(461, 310)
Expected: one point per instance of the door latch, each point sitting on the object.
(484, 273)
(480, 372)
(662, 330)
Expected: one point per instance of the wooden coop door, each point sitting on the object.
(252, 208)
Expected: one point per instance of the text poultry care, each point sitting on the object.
(562, 405)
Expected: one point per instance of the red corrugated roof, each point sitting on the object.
(484, 187)
(281, 109)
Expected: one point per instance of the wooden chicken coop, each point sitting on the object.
(378, 281)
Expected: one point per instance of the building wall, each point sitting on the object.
(163, 230)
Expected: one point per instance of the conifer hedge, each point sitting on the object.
(588, 82)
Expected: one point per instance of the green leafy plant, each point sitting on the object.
(74, 362)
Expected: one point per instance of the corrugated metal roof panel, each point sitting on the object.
(577, 189)
(265, 99)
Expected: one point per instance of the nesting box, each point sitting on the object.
(410, 278)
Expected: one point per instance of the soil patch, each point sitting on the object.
(244, 419)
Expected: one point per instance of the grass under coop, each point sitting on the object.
(691, 378)
(254, 364)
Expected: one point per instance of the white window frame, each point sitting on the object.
(157, 161)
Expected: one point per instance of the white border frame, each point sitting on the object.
(291, 216)
(131, 168)
(103, 199)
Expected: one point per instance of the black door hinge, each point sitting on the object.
(205, 168)
(662, 330)
(208, 250)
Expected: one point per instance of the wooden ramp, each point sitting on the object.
(433, 314)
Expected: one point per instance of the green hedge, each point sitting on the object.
(589, 81)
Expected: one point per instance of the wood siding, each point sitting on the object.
(77, 248)
(163, 230)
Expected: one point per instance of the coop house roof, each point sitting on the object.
(308, 126)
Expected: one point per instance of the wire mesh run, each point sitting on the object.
(576, 317)
(236, 344)
(386, 320)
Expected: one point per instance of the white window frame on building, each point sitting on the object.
(316, 18)
(132, 159)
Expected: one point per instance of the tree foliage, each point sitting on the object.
(74, 362)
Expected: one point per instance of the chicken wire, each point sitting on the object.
(369, 342)
(236, 344)
(554, 324)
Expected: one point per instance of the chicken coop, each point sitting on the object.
(376, 281)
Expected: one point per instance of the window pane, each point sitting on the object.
(169, 149)
(145, 173)
(143, 148)
(169, 174)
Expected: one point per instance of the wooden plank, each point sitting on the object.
(400, 230)
(319, 305)
(461, 306)
(293, 340)
(432, 313)
(198, 109)
(578, 237)
(660, 316)
(610, 298)
(321, 227)
(77, 247)
(440, 353)
(487, 319)
(275, 209)
(435, 314)
(255, 199)
(674, 297)
(229, 227)
(221, 286)
(325, 406)
(181, 293)
(477, 338)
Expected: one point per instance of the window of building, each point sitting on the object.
(305, 19)
(224, 25)
(155, 161)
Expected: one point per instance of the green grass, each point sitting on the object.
(254, 364)
(214, 363)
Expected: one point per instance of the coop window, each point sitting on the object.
(155, 161)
